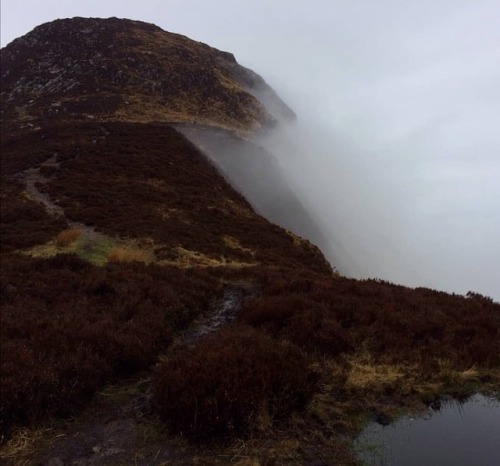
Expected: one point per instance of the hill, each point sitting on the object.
(159, 312)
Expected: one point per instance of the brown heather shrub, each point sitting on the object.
(300, 320)
(23, 223)
(67, 237)
(315, 331)
(219, 387)
(68, 327)
(403, 325)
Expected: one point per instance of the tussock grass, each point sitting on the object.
(91, 247)
(186, 258)
(67, 237)
(367, 375)
(96, 248)
(22, 444)
(233, 243)
(129, 254)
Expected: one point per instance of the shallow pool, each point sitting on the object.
(465, 434)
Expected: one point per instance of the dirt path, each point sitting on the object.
(119, 427)
(223, 315)
(34, 179)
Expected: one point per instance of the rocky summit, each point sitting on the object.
(130, 71)
(164, 300)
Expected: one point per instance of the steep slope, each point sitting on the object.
(123, 247)
(113, 70)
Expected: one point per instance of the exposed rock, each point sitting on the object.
(116, 69)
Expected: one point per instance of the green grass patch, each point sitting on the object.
(89, 246)
(94, 249)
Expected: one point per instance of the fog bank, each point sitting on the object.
(396, 150)
(370, 205)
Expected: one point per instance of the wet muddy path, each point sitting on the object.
(119, 426)
(224, 314)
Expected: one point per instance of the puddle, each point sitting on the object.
(457, 435)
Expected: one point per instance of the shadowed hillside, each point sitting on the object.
(149, 306)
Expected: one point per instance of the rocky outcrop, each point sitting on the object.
(122, 70)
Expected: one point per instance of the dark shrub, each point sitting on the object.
(297, 318)
(313, 330)
(67, 328)
(218, 387)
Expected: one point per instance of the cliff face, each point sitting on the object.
(122, 70)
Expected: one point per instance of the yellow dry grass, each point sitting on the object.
(449, 372)
(365, 375)
(297, 240)
(187, 258)
(247, 462)
(125, 253)
(67, 237)
(96, 248)
(235, 208)
(142, 108)
(24, 443)
(50, 249)
(233, 243)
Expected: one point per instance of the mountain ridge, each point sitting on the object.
(121, 238)
(163, 77)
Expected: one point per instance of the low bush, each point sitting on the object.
(68, 327)
(334, 315)
(299, 319)
(219, 387)
(23, 222)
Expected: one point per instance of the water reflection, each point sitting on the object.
(458, 435)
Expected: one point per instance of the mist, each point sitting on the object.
(369, 206)
(396, 150)
(399, 164)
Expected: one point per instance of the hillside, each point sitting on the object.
(152, 314)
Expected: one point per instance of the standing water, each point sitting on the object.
(465, 434)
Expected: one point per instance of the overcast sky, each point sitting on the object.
(402, 99)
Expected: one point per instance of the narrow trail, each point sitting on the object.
(119, 427)
(33, 179)
(224, 314)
